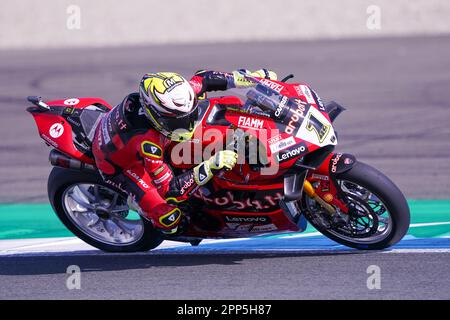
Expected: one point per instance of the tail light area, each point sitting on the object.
(57, 133)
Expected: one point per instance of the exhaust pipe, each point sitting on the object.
(59, 159)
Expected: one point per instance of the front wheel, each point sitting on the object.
(97, 213)
(378, 212)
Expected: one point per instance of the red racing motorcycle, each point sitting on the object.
(287, 174)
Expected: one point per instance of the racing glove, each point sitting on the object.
(241, 82)
(264, 73)
(222, 160)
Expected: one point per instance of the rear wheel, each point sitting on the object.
(97, 213)
(378, 212)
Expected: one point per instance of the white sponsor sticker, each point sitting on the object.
(49, 141)
(307, 93)
(239, 227)
(320, 177)
(319, 131)
(272, 85)
(56, 130)
(163, 178)
(71, 101)
(263, 228)
(247, 122)
(274, 139)
(282, 144)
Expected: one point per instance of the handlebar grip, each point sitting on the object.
(222, 172)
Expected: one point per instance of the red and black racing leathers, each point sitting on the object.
(130, 154)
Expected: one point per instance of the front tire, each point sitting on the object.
(377, 203)
(97, 213)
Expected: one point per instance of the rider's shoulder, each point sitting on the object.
(131, 102)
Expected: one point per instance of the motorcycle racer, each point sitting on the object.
(130, 140)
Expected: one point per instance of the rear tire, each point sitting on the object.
(389, 195)
(61, 179)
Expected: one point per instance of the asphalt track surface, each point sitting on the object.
(229, 276)
(292, 267)
(396, 93)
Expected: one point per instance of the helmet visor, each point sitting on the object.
(186, 121)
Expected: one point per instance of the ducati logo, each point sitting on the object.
(71, 101)
(335, 161)
(56, 130)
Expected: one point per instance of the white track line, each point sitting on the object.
(428, 224)
(300, 235)
(52, 245)
(419, 250)
(322, 250)
(73, 244)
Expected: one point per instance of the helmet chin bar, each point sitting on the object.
(178, 135)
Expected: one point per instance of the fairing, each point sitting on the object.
(69, 125)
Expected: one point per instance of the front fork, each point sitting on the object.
(311, 192)
(327, 192)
